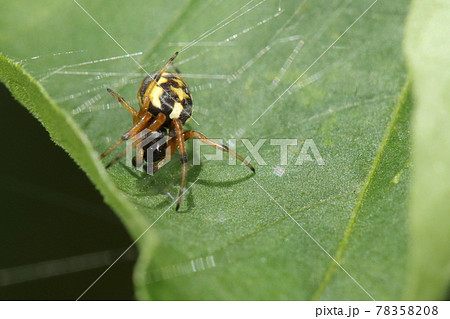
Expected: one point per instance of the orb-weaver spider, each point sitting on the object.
(165, 104)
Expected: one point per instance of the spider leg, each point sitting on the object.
(176, 68)
(178, 127)
(141, 125)
(128, 149)
(208, 141)
(139, 158)
(146, 102)
(124, 103)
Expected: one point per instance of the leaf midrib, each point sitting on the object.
(382, 147)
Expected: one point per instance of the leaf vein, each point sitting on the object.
(382, 146)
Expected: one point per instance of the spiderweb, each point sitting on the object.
(256, 69)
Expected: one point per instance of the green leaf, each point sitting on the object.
(427, 47)
(65, 132)
(233, 238)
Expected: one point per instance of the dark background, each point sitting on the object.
(57, 235)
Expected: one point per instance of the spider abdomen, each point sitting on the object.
(170, 96)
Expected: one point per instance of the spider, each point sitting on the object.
(165, 104)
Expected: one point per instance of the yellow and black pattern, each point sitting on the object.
(165, 106)
(170, 96)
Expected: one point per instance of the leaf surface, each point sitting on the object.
(233, 238)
